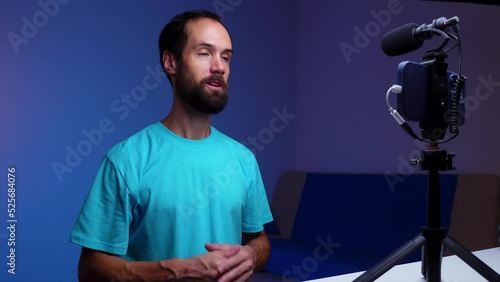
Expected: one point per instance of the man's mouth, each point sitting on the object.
(214, 83)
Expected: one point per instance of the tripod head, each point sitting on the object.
(434, 159)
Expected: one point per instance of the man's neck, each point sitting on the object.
(187, 123)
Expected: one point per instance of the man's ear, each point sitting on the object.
(169, 63)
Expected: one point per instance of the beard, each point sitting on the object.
(196, 95)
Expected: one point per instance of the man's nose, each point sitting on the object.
(218, 66)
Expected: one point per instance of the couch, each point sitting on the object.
(329, 224)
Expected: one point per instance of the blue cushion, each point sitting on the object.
(298, 261)
(364, 213)
(366, 217)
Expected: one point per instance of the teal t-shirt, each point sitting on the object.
(160, 196)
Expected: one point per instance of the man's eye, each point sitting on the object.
(225, 59)
(204, 54)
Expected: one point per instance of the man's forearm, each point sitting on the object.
(96, 266)
(260, 244)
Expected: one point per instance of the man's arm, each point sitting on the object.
(96, 266)
(260, 243)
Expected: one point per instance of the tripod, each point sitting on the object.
(433, 237)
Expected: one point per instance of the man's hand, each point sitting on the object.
(210, 266)
(238, 267)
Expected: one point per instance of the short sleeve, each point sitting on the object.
(104, 220)
(256, 211)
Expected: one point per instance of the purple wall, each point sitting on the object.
(343, 124)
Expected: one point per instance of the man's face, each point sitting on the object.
(203, 71)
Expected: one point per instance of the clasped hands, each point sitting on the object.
(226, 262)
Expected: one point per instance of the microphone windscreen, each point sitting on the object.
(400, 40)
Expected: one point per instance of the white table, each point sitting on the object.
(453, 269)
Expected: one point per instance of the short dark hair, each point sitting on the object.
(173, 37)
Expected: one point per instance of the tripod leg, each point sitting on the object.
(479, 266)
(391, 260)
(433, 247)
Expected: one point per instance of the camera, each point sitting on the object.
(432, 96)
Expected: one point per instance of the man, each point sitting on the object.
(178, 200)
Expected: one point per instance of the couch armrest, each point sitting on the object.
(476, 211)
(286, 201)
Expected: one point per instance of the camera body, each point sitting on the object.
(429, 94)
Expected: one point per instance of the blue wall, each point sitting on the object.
(64, 67)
